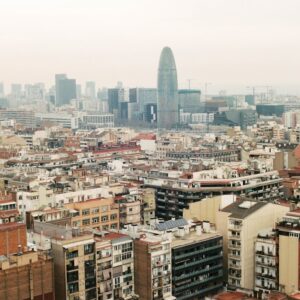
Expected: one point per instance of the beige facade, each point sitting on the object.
(74, 264)
(206, 209)
(242, 221)
(130, 212)
(102, 214)
(148, 202)
(289, 254)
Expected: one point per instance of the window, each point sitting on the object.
(73, 287)
(126, 255)
(71, 254)
(86, 222)
(95, 220)
(126, 247)
(104, 218)
(114, 226)
(104, 208)
(85, 212)
(72, 276)
(88, 249)
(95, 210)
(113, 216)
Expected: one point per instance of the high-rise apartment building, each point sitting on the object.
(197, 262)
(266, 262)
(152, 267)
(115, 271)
(75, 263)
(239, 224)
(289, 253)
(167, 101)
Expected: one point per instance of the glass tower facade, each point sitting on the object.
(167, 95)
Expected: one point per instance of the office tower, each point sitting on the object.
(189, 100)
(65, 89)
(143, 97)
(34, 91)
(78, 91)
(250, 99)
(16, 90)
(1, 89)
(167, 105)
(90, 89)
(150, 114)
(113, 100)
(237, 117)
(115, 97)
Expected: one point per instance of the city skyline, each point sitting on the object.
(208, 40)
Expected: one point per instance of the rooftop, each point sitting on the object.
(243, 209)
(171, 224)
(192, 237)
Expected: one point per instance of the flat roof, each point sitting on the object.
(240, 211)
(193, 237)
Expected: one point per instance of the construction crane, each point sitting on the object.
(254, 89)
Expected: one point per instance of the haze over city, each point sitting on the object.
(231, 44)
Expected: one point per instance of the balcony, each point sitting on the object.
(234, 246)
(193, 253)
(202, 291)
(196, 273)
(265, 275)
(194, 263)
(234, 266)
(234, 227)
(189, 286)
(236, 275)
(234, 237)
(161, 263)
(265, 253)
(235, 256)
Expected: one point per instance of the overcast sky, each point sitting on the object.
(230, 43)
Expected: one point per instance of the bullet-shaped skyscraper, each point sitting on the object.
(167, 95)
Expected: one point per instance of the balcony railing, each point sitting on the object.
(177, 257)
(193, 263)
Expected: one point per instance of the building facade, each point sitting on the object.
(167, 101)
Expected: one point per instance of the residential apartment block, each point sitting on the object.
(239, 224)
(102, 214)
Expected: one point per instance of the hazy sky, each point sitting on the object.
(230, 43)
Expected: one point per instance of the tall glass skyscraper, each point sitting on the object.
(167, 97)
